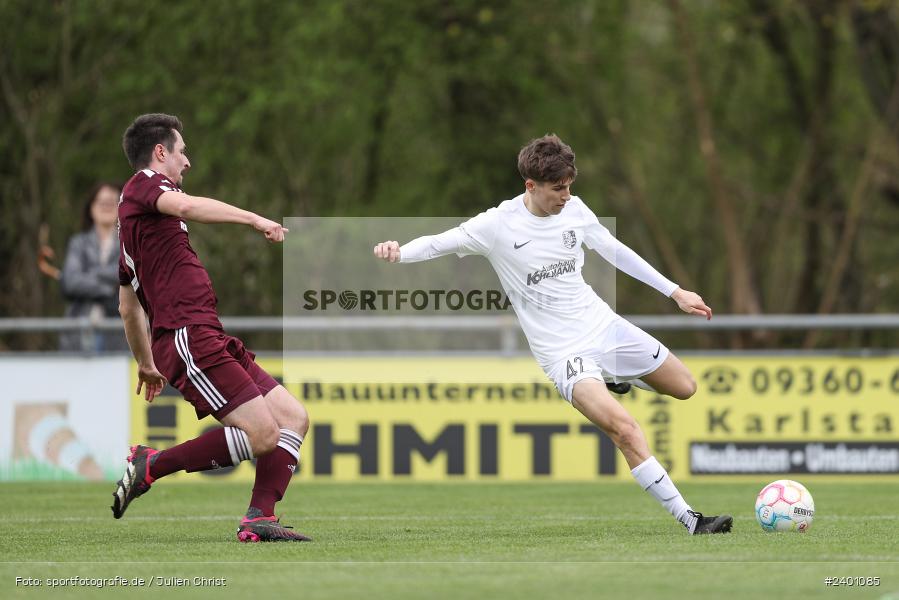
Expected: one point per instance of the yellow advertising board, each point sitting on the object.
(777, 415)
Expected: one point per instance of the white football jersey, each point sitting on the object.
(539, 261)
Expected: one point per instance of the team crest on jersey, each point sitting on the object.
(569, 239)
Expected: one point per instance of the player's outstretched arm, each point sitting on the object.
(454, 241)
(209, 210)
(389, 251)
(135, 323)
(691, 303)
(631, 263)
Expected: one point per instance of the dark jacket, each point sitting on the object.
(85, 281)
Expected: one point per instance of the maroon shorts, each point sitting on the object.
(213, 370)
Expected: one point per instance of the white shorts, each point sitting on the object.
(622, 353)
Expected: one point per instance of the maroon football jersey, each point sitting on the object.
(157, 260)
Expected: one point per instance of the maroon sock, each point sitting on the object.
(273, 473)
(209, 451)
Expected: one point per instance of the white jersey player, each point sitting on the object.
(535, 244)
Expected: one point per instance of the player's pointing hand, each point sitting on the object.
(389, 251)
(273, 232)
(691, 303)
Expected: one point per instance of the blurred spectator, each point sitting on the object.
(90, 280)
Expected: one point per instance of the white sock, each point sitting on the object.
(653, 478)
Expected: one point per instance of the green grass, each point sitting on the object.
(449, 540)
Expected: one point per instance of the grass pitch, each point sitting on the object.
(465, 540)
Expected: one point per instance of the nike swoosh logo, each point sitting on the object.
(517, 246)
(659, 349)
(659, 480)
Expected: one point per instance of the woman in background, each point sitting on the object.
(90, 275)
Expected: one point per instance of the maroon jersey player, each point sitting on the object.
(162, 277)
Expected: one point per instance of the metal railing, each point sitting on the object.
(492, 323)
(506, 326)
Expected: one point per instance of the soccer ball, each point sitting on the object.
(785, 505)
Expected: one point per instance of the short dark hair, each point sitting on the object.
(87, 219)
(145, 132)
(547, 160)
